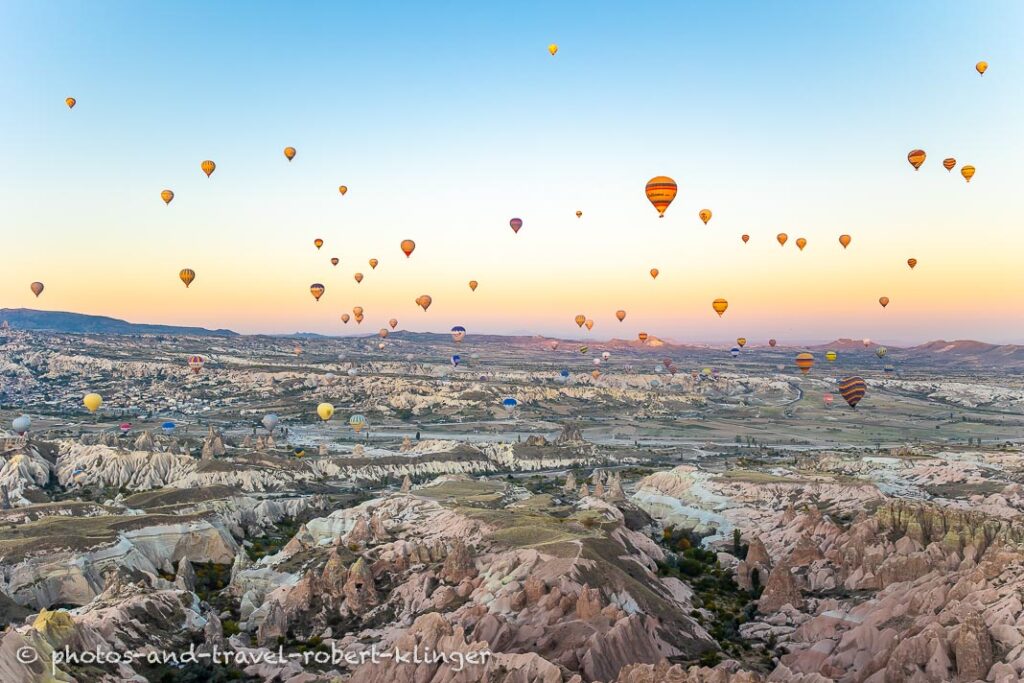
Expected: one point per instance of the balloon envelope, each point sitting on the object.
(661, 190)
(92, 402)
(852, 389)
(270, 421)
(21, 424)
(325, 411)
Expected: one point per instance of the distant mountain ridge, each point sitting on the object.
(80, 323)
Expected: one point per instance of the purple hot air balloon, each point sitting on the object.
(516, 223)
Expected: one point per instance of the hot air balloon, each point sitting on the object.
(621, 315)
(334, 260)
(579, 214)
(654, 273)
(318, 243)
(741, 342)
(554, 345)
(289, 153)
(745, 238)
(195, 363)
(606, 355)
(343, 189)
(473, 285)
(705, 215)
(801, 243)
(564, 373)
(373, 263)
(981, 67)
(92, 402)
(911, 262)
(831, 356)
(967, 172)
(884, 301)
(21, 424)
(828, 400)
(357, 423)
(916, 158)
(589, 324)
(455, 360)
(393, 323)
(424, 301)
(734, 352)
(167, 196)
(852, 389)
(187, 275)
(125, 427)
(317, 290)
(358, 277)
(298, 350)
(719, 305)
(867, 342)
(889, 368)
(584, 349)
(345, 318)
(844, 240)
(299, 452)
(381, 346)
(458, 333)
(408, 246)
(595, 374)
(516, 223)
(580, 319)
(772, 343)
(167, 427)
(325, 411)
(208, 167)
(949, 163)
(509, 404)
(782, 237)
(71, 102)
(805, 361)
(552, 48)
(270, 421)
(642, 336)
(383, 333)
(881, 351)
(661, 190)
(37, 288)
(357, 310)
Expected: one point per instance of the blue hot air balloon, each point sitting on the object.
(168, 427)
(510, 404)
(456, 359)
(458, 333)
(564, 373)
(735, 351)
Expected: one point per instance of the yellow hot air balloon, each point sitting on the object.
(552, 48)
(831, 356)
(661, 190)
(949, 163)
(911, 262)
(318, 243)
(620, 314)
(343, 189)
(782, 237)
(579, 214)
(719, 305)
(981, 67)
(580, 319)
(325, 411)
(741, 342)
(424, 301)
(801, 243)
(654, 273)
(393, 323)
(358, 277)
(967, 172)
(705, 215)
(916, 158)
(642, 337)
(473, 285)
(408, 246)
(805, 361)
(92, 402)
(167, 196)
(317, 290)
(208, 167)
(37, 288)
(884, 300)
(71, 102)
(589, 324)
(844, 240)
(373, 263)
(289, 153)
(187, 275)
(357, 311)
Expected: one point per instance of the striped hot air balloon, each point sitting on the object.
(949, 163)
(805, 361)
(852, 389)
(916, 158)
(831, 356)
(195, 363)
(187, 275)
(719, 305)
(317, 290)
(661, 190)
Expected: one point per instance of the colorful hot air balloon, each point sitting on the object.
(325, 411)
(516, 223)
(92, 402)
(358, 277)
(125, 427)
(620, 314)
(509, 403)
(289, 153)
(393, 323)
(831, 356)
(916, 158)
(424, 301)
(589, 324)
(654, 273)
(71, 102)
(195, 363)
(318, 243)
(579, 214)
(345, 318)
(458, 333)
(37, 288)
(805, 361)
(357, 423)
(981, 67)
(734, 352)
(949, 163)
(884, 301)
(317, 290)
(911, 262)
(473, 285)
(745, 238)
(580, 319)
(334, 261)
(584, 349)
(719, 305)
(343, 189)
(852, 389)
(801, 243)
(373, 263)
(408, 246)
(772, 343)
(168, 427)
(967, 172)
(455, 360)
(741, 342)
(782, 237)
(187, 275)
(661, 190)
(844, 240)
(552, 48)
(881, 351)
(208, 167)
(642, 337)
(705, 215)
(167, 196)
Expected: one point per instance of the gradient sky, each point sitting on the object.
(447, 119)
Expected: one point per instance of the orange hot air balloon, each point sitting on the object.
(705, 215)
(334, 261)
(37, 288)
(359, 319)
(408, 246)
(289, 153)
(981, 67)
(357, 311)
(745, 238)
(967, 172)
(621, 315)
(317, 290)
(805, 361)
(719, 305)
(473, 285)
(661, 190)
(167, 196)
(187, 275)
(884, 300)
(916, 158)
(801, 243)
(949, 163)
(580, 319)
(383, 333)
(782, 237)
(393, 323)
(642, 337)
(373, 263)
(844, 240)
(425, 301)
(208, 167)
(71, 102)
(358, 277)
(654, 273)
(344, 318)
(911, 262)
(589, 324)
(595, 374)
(579, 214)
(318, 243)
(741, 342)
(343, 189)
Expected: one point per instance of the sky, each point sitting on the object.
(447, 119)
